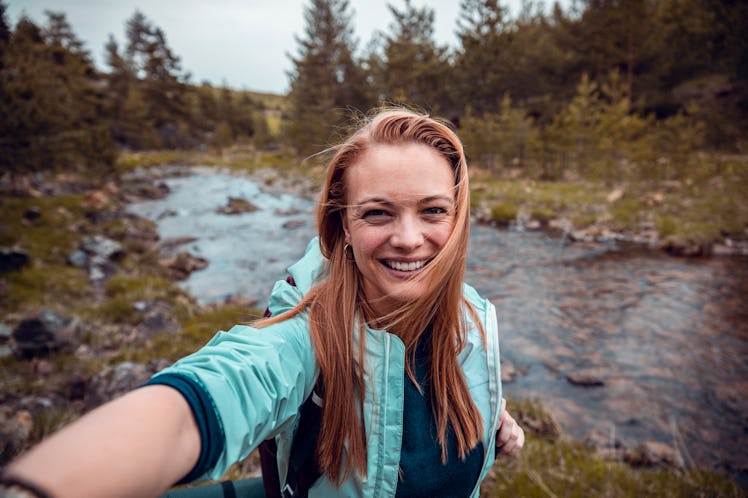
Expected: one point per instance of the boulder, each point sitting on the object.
(44, 332)
(119, 379)
(653, 454)
(98, 246)
(294, 224)
(12, 259)
(158, 318)
(15, 429)
(32, 214)
(98, 254)
(591, 377)
(183, 264)
(237, 205)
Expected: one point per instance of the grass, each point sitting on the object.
(51, 236)
(550, 465)
(570, 469)
(702, 212)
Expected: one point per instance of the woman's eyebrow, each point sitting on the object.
(433, 198)
(373, 200)
(389, 203)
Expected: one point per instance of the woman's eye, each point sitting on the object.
(373, 213)
(435, 210)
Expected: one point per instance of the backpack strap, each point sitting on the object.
(303, 469)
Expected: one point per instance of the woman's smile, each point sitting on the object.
(400, 213)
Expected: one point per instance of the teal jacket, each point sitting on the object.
(257, 380)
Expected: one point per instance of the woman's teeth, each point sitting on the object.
(413, 265)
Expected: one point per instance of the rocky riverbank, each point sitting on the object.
(91, 309)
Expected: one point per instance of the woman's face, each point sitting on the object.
(400, 212)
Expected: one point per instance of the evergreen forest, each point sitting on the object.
(607, 89)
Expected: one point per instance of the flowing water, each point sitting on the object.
(666, 337)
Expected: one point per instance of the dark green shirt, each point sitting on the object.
(421, 471)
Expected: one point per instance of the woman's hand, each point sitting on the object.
(510, 438)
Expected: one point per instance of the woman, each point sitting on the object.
(377, 307)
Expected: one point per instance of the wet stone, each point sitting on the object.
(653, 454)
(183, 264)
(32, 214)
(294, 224)
(118, 380)
(237, 205)
(45, 332)
(12, 259)
(5, 332)
(78, 259)
(587, 378)
(15, 429)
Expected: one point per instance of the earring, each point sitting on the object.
(345, 252)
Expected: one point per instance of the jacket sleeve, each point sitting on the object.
(256, 380)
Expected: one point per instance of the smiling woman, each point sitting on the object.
(400, 214)
(376, 312)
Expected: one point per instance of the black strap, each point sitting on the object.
(303, 469)
(227, 487)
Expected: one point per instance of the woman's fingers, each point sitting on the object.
(510, 437)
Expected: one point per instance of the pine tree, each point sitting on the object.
(481, 66)
(52, 106)
(326, 80)
(155, 71)
(410, 67)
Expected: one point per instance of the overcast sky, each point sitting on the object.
(243, 43)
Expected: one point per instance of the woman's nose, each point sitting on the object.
(408, 233)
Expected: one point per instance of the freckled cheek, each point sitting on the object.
(440, 233)
(367, 239)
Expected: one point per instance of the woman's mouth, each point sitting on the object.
(405, 265)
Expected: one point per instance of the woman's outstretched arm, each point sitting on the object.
(137, 445)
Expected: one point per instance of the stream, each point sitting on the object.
(661, 342)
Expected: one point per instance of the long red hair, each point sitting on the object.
(337, 302)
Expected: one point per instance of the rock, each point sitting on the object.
(97, 253)
(615, 194)
(183, 264)
(294, 224)
(119, 379)
(508, 371)
(159, 319)
(241, 301)
(12, 259)
(138, 188)
(592, 377)
(141, 235)
(75, 387)
(653, 454)
(167, 213)
(685, 248)
(605, 444)
(5, 332)
(237, 205)
(169, 244)
(44, 332)
(78, 259)
(103, 247)
(32, 214)
(97, 199)
(15, 429)
(287, 212)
